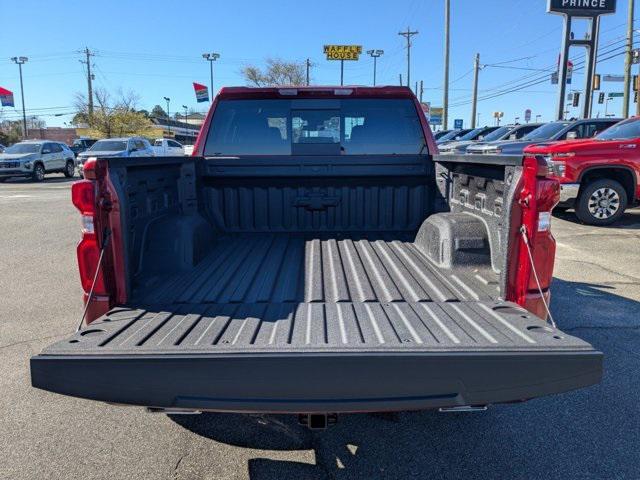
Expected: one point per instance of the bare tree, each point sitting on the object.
(277, 73)
(112, 117)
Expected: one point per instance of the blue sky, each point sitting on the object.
(154, 48)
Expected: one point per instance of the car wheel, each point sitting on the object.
(38, 173)
(70, 169)
(601, 202)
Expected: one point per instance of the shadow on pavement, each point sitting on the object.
(588, 433)
(48, 179)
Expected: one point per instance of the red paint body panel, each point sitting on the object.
(593, 154)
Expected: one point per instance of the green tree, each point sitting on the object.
(158, 112)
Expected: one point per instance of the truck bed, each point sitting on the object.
(277, 268)
(297, 323)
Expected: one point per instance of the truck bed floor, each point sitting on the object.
(285, 267)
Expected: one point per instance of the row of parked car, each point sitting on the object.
(596, 161)
(36, 158)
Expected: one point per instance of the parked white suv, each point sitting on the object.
(35, 158)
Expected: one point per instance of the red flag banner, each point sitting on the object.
(202, 92)
(6, 97)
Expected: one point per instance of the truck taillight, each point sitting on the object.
(83, 196)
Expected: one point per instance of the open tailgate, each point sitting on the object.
(317, 357)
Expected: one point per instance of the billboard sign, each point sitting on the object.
(457, 123)
(527, 115)
(343, 52)
(436, 115)
(581, 8)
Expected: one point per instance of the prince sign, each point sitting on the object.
(582, 8)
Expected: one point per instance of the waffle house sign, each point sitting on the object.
(343, 52)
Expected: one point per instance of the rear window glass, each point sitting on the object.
(108, 146)
(315, 127)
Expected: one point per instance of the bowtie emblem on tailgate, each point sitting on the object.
(317, 202)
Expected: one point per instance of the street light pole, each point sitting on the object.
(375, 54)
(445, 100)
(474, 102)
(21, 61)
(211, 57)
(168, 116)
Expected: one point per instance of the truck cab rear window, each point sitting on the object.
(315, 127)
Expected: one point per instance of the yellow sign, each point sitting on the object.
(343, 52)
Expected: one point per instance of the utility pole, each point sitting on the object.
(90, 78)
(474, 103)
(167, 99)
(375, 54)
(628, 60)
(211, 57)
(445, 102)
(408, 34)
(21, 61)
(400, 75)
(308, 65)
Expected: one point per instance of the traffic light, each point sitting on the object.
(576, 99)
(635, 97)
(596, 81)
(635, 83)
(601, 97)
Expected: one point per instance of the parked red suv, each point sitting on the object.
(598, 176)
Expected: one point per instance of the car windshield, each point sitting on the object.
(109, 146)
(23, 148)
(451, 135)
(626, 130)
(547, 131)
(473, 134)
(497, 134)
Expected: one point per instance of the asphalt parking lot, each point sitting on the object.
(592, 433)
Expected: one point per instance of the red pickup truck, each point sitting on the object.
(316, 256)
(599, 177)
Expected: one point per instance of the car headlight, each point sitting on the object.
(493, 151)
(556, 168)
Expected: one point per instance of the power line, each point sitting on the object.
(408, 34)
(533, 82)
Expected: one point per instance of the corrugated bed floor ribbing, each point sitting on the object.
(277, 268)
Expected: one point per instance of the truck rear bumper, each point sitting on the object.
(317, 382)
(321, 358)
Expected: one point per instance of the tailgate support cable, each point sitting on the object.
(105, 242)
(525, 238)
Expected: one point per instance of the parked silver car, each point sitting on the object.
(35, 158)
(116, 147)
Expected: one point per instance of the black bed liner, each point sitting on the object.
(283, 267)
(305, 323)
(317, 357)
